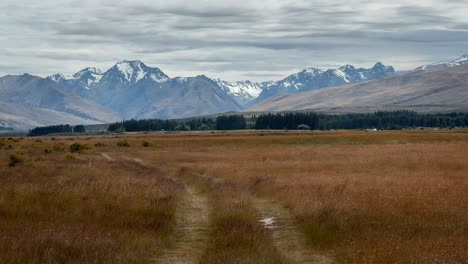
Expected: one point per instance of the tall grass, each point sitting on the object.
(386, 197)
(82, 210)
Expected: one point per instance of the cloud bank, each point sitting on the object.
(233, 40)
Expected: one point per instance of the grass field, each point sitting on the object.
(236, 197)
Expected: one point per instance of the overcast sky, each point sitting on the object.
(234, 40)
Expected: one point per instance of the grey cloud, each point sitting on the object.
(231, 38)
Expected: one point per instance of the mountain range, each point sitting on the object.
(134, 90)
(444, 89)
(131, 89)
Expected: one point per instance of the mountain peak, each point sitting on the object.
(462, 59)
(92, 70)
(381, 67)
(378, 65)
(135, 70)
(85, 71)
(132, 63)
(347, 67)
(312, 71)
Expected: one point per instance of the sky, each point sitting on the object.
(233, 40)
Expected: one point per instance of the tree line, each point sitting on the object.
(163, 125)
(223, 122)
(61, 129)
(388, 120)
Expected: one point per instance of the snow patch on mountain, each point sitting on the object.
(463, 59)
(341, 74)
(60, 77)
(441, 65)
(241, 91)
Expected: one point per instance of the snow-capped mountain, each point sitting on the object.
(242, 91)
(135, 90)
(133, 72)
(124, 72)
(422, 91)
(442, 65)
(312, 78)
(82, 83)
(86, 77)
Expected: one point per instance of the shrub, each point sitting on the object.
(99, 144)
(48, 150)
(146, 144)
(16, 159)
(78, 147)
(303, 127)
(123, 143)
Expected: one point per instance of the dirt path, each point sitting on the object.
(192, 230)
(289, 241)
(107, 157)
(191, 234)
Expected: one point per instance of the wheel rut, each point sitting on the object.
(288, 239)
(192, 230)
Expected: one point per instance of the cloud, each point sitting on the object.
(228, 39)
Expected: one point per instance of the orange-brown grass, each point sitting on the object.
(387, 197)
(59, 207)
(384, 197)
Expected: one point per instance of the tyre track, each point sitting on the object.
(287, 238)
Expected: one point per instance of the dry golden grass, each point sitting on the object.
(79, 208)
(388, 197)
(385, 197)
